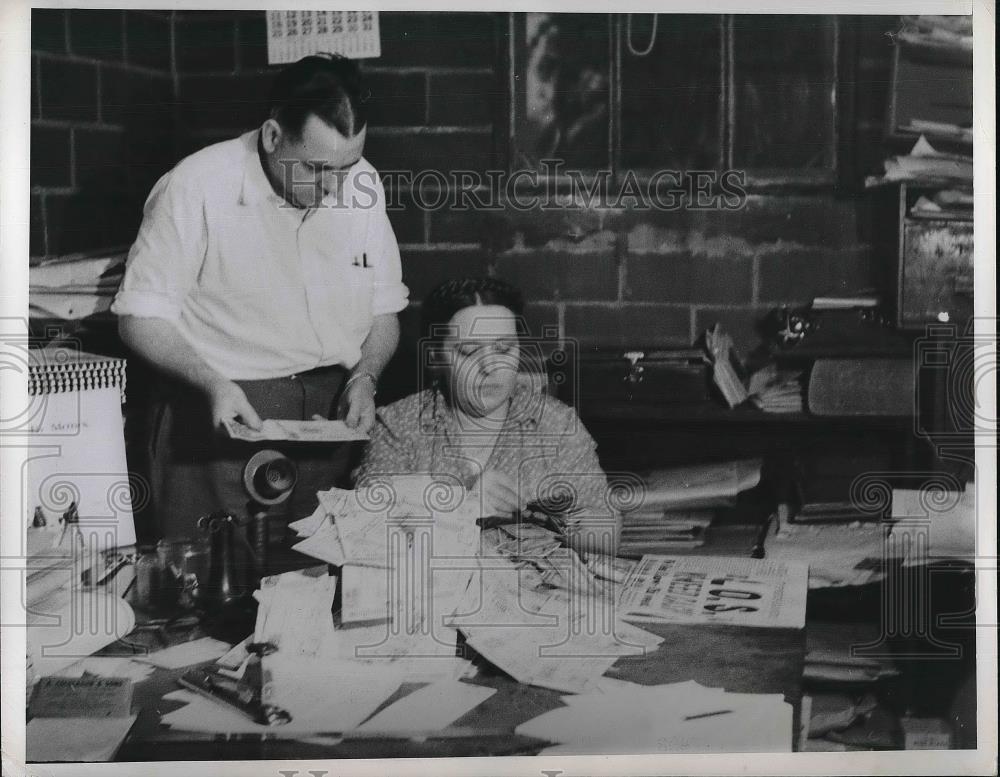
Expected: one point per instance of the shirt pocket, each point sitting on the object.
(360, 288)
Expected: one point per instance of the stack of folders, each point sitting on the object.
(660, 531)
(55, 370)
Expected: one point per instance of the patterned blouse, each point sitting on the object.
(543, 447)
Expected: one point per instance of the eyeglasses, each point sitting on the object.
(470, 348)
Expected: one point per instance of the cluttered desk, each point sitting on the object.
(511, 643)
(415, 629)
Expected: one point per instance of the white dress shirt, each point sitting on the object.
(261, 289)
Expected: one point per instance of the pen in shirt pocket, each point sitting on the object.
(363, 262)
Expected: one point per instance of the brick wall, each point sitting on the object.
(101, 125)
(619, 278)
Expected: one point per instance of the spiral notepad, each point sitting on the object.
(59, 370)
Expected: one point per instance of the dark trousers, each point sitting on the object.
(196, 470)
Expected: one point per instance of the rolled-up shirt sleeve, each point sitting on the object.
(164, 262)
(391, 294)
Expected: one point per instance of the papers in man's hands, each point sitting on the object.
(294, 431)
(717, 589)
(621, 717)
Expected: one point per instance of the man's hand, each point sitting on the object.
(499, 494)
(228, 401)
(357, 405)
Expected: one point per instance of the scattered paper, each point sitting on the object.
(366, 594)
(297, 613)
(550, 637)
(75, 739)
(69, 624)
(187, 653)
(305, 527)
(108, 666)
(294, 431)
(237, 655)
(321, 698)
(619, 717)
(432, 707)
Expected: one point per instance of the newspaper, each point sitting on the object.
(294, 431)
(716, 589)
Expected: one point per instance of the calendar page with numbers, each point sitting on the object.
(292, 35)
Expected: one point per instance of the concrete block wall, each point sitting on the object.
(101, 125)
(437, 103)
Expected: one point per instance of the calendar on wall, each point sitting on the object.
(292, 35)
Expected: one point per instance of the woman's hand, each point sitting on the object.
(498, 494)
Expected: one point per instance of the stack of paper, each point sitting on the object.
(829, 667)
(660, 531)
(838, 554)
(925, 163)
(621, 717)
(836, 659)
(932, 525)
(944, 204)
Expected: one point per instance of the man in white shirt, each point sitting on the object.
(264, 282)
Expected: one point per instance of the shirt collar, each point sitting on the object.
(256, 187)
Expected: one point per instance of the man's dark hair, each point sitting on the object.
(327, 85)
(452, 296)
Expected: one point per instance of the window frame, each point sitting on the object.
(831, 177)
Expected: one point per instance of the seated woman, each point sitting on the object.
(488, 424)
